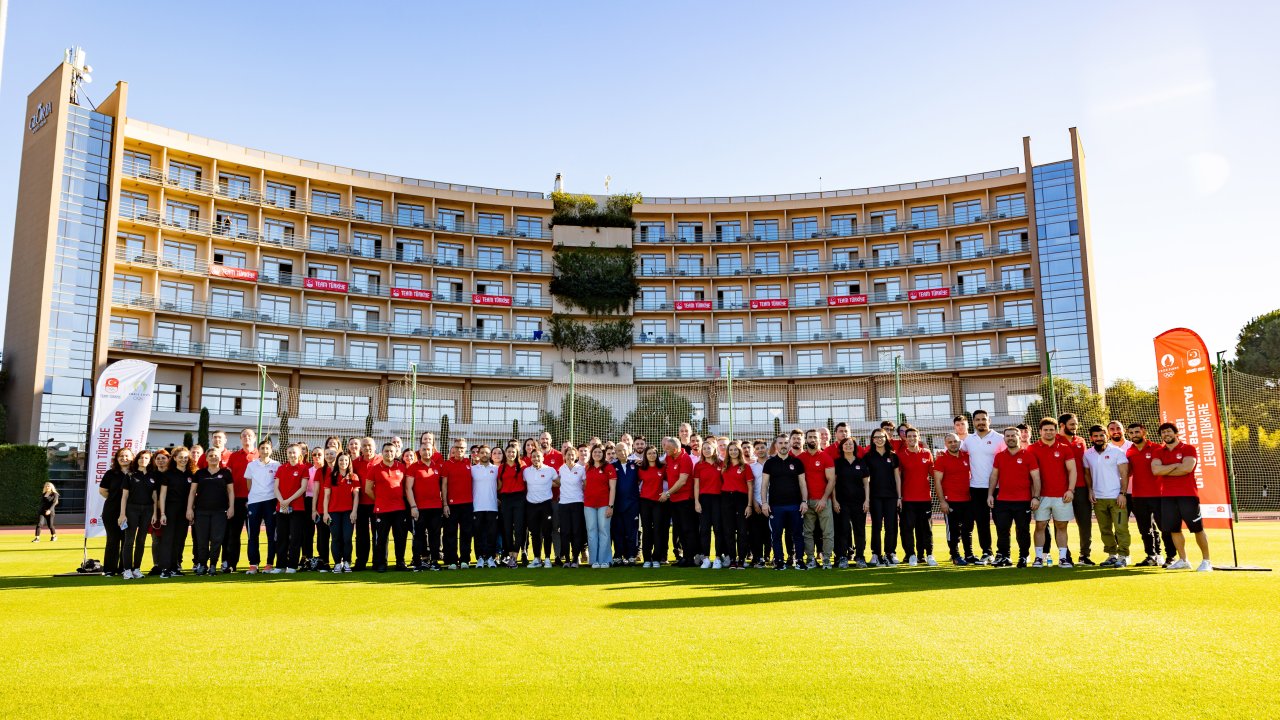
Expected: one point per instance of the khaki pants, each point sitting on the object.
(1113, 525)
(826, 520)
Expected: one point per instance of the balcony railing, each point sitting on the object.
(650, 234)
(241, 313)
(832, 335)
(213, 351)
(812, 301)
(833, 265)
(334, 210)
(873, 367)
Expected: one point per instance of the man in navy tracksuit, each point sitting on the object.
(626, 513)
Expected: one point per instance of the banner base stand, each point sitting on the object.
(1241, 568)
(79, 574)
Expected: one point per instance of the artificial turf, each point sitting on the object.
(630, 642)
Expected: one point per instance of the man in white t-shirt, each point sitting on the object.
(982, 447)
(1106, 474)
(260, 476)
(1116, 432)
(484, 508)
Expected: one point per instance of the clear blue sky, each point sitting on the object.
(1176, 103)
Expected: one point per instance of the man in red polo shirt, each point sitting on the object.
(951, 481)
(1058, 471)
(679, 493)
(833, 450)
(364, 510)
(1175, 465)
(459, 518)
(1144, 497)
(385, 483)
(916, 466)
(820, 477)
(1015, 480)
(236, 462)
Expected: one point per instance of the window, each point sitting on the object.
(277, 231)
(503, 412)
(693, 364)
(448, 254)
(730, 331)
(816, 412)
(234, 186)
(691, 331)
(926, 282)
(338, 407)
(368, 209)
(271, 345)
(329, 203)
(318, 350)
(653, 363)
(930, 320)
(236, 401)
(808, 328)
(488, 360)
(406, 321)
(530, 327)
(448, 321)
(124, 328)
(969, 246)
(769, 363)
(366, 317)
(1022, 349)
(529, 260)
(753, 412)
(888, 288)
(277, 306)
(728, 231)
(429, 409)
(489, 324)
(888, 323)
(926, 251)
(224, 338)
(766, 262)
(809, 360)
(322, 271)
(281, 195)
(1019, 403)
(133, 204)
(653, 298)
(766, 292)
(887, 354)
(410, 216)
(409, 250)
(131, 247)
(980, 401)
(174, 335)
(653, 264)
(232, 224)
(765, 229)
(967, 211)
(690, 292)
(843, 225)
(490, 224)
(408, 280)
(729, 263)
(363, 353)
(975, 351)
(176, 295)
(448, 219)
(849, 359)
(932, 355)
(652, 231)
(366, 281)
(449, 288)
(849, 325)
(844, 258)
(180, 214)
(971, 281)
(918, 407)
(1015, 276)
(405, 356)
(137, 163)
(924, 217)
(769, 329)
(809, 294)
(689, 264)
(1019, 312)
(167, 398)
(689, 232)
(229, 258)
(884, 221)
(366, 245)
(184, 175)
(804, 228)
(528, 226)
(448, 359)
(488, 287)
(179, 254)
(974, 315)
(323, 239)
(885, 254)
(1013, 241)
(1011, 205)
(223, 301)
(804, 260)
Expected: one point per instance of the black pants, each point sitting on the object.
(173, 538)
(979, 519)
(512, 508)
(958, 526)
(389, 525)
(426, 536)
(541, 523)
(884, 514)
(458, 529)
(113, 553)
(761, 544)
(709, 520)
(625, 529)
(573, 531)
(135, 536)
(917, 528)
(231, 540)
(364, 535)
(289, 529)
(654, 521)
(733, 509)
(1147, 512)
(47, 520)
(309, 531)
(486, 530)
(685, 525)
(210, 529)
(851, 525)
(322, 536)
(1009, 513)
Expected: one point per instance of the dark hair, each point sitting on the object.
(1096, 428)
(1023, 426)
(115, 459)
(644, 459)
(351, 470)
(1064, 418)
(978, 412)
(888, 446)
(1133, 425)
(958, 418)
(386, 445)
(1048, 422)
(1167, 425)
(884, 423)
(591, 456)
(842, 424)
(133, 466)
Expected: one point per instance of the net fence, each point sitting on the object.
(759, 409)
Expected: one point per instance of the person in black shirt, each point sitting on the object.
(885, 495)
(48, 506)
(784, 491)
(137, 513)
(851, 505)
(111, 487)
(210, 505)
(174, 491)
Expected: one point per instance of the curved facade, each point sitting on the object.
(217, 258)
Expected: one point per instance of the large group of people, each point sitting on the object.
(799, 501)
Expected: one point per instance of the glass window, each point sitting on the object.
(815, 412)
(926, 251)
(184, 175)
(809, 360)
(766, 262)
(224, 301)
(885, 254)
(447, 219)
(329, 203)
(689, 264)
(409, 250)
(804, 228)
(967, 211)
(849, 359)
(689, 232)
(323, 239)
(406, 320)
(528, 226)
(448, 359)
(124, 328)
(932, 355)
(769, 329)
(413, 216)
(884, 221)
(1021, 349)
(764, 229)
(804, 260)
(366, 245)
(928, 281)
(429, 409)
(503, 412)
(652, 231)
(529, 260)
(924, 217)
(137, 164)
(843, 225)
(752, 412)
(318, 350)
(234, 186)
(368, 209)
(167, 397)
(728, 231)
(281, 195)
(1011, 205)
(917, 407)
(490, 224)
(489, 258)
(338, 407)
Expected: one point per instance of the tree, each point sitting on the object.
(658, 414)
(1258, 346)
(368, 425)
(777, 430)
(590, 417)
(1129, 403)
(187, 440)
(202, 429)
(515, 429)
(444, 432)
(1088, 406)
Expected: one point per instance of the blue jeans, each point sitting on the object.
(599, 540)
(259, 512)
(788, 518)
(340, 529)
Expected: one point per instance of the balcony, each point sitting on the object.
(208, 351)
(874, 367)
(835, 335)
(834, 266)
(812, 301)
(650, 235)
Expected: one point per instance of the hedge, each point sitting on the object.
(26, 470)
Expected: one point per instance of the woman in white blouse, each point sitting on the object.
(573, 519)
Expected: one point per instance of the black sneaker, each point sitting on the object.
(1039, 563)
(958, 561)
(200, 570)
(1149, 562)
(176, 573)
(153, 572)
(970, 560)
(779, 565)
(1084, 560)
(1109, 562)
(986, 559)
(1022, 562)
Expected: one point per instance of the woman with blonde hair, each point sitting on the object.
(48, 503)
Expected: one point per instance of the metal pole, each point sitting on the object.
(573, 364)
(897, 390)
(262, 391)
(730, 399)
(1225, 411)
(413, 404)
(1053, 394)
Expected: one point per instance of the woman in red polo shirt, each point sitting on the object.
(291, 510)
(735, 504)
(511, 491)
(598, 494)
(422, 488)
(655, 520)
(341, 484)
(707, 480)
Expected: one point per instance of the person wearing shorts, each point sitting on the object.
(1175, 464)
(1056, 460)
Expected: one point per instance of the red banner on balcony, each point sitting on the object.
(1184, 378)
(693, 305)
(482, 299)
(771, 304)
(234, 273)
(329, 285)
(841, 300)
(929, 294)
(410, 293)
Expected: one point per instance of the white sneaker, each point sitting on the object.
(35, 539)
(706, 564)
(930, 561)
(716, 565)
(534, 563)
(1159, 559)
(647, 564)
(1205, 566)
(1122, 561)
(1180, 565)
(126, 575)
(274, 571)
(290, 571)
(548, 564)
(912, 561)
(893, 559)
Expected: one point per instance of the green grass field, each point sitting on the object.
(963, 642)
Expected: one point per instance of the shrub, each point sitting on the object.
(595, 280)
(26, 470)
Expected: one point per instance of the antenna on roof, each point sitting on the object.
(75, 57)
(559, 184)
